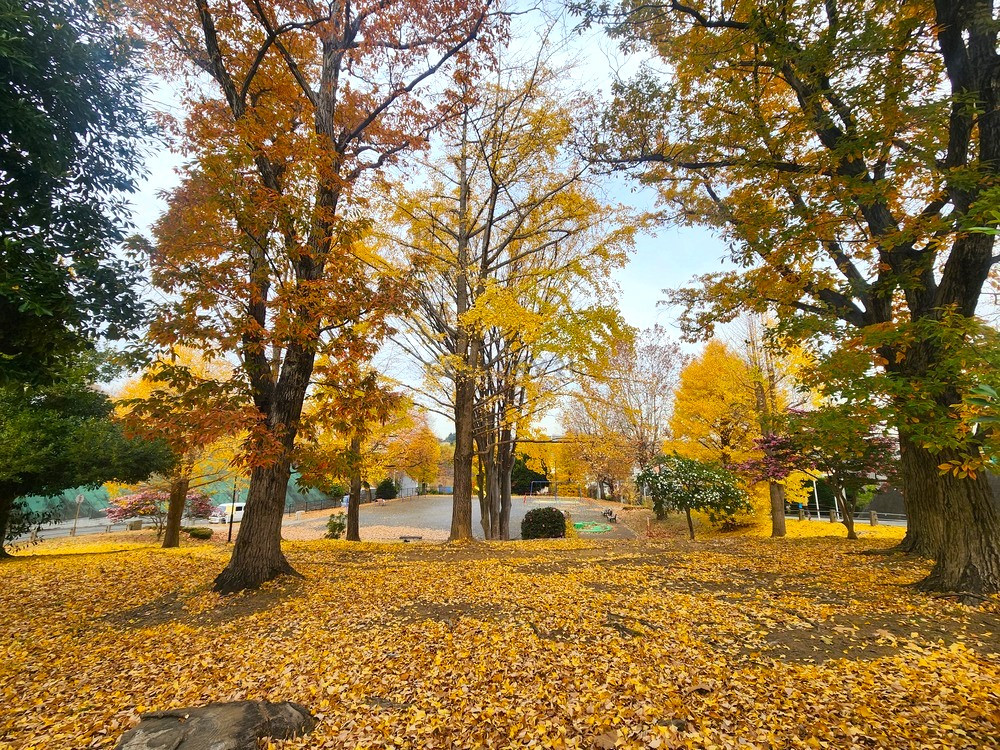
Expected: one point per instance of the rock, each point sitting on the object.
(218, 726)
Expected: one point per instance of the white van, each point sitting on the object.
(221, 513)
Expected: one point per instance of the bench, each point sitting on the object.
(407, 538)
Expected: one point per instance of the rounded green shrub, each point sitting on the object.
(543, 523)
(336, 526)
(200, 532)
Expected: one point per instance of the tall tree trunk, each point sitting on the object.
(505, 503)
(687, 513)
(968, 561)
(175, 511)
(257, 555)
(777, 492)
(922, 488)
(493, 500)
(354, 499)
(465, 373)
(484, 508)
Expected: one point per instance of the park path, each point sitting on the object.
(430, 516)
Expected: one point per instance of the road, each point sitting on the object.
(425, 511)
(434, 512)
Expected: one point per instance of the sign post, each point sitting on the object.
(79, 502)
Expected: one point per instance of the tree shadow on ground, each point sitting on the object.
(172, 607)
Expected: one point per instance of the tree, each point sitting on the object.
(503, 244)
(414, 448)
(62, 435)
(715, 414)
(840, 444)
(155, 505)
(524, 479)
(166, 403)
(351, 419)
(620, 417)
(844, 151)
(295, 113)
(686, 484)
(71, 148)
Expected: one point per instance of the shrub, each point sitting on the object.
(684, 484)
(543, 523)
(386, 490)
(336, 526)
(199, 532)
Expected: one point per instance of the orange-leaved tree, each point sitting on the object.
(187, 400)
(293, 113)
(848, 151)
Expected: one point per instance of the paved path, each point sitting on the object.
(424, 512)
(434, 512)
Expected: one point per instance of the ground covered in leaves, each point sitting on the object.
(729, 642)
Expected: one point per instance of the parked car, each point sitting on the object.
(221, 513)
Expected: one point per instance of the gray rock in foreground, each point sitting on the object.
(218, 726)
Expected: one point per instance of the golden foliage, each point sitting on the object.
(733, 641)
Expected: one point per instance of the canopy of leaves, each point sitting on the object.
(63, 435)
(678, 483)
(715, 415)
(70, 149)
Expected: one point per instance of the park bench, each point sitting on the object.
(407, 538)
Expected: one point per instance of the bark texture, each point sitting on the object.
(777, 492)
(218, 726)
(354, 499)
(257, 555)
(175, 511)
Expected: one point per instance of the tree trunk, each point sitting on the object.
(465, 373)
(493, 500)
(354, 499)
(847, 502)
(257, 555)
(175, 511)
(461, 509)
(484, 508)
(968, 561)
(922, 488)
(505, 503)
(687, 513)
(777, 492)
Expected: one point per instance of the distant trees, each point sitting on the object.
(502, 244)
(619, 417)
(153, 504)
(62, 435)
(70, 152)
(715, 413)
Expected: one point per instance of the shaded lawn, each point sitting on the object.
(578, 643)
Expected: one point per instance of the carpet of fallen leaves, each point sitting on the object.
(729, 642)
